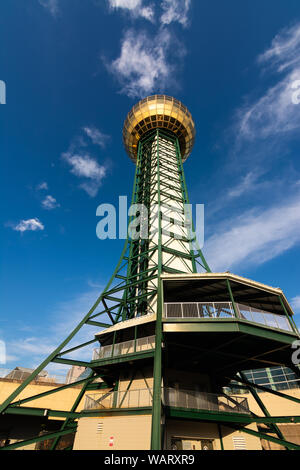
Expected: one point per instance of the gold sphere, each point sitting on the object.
(159, 111)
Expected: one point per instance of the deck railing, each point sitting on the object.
(127, 347)
(204, 401)
(172, 397)
(225, 310)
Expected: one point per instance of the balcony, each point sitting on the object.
(171, 397)
(204, 401)
(219, 310)
(127, 347)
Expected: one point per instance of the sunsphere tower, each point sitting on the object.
(172, 338)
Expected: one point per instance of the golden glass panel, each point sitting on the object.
(158, 111)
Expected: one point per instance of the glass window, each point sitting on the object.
(259, 375)
(279, 378)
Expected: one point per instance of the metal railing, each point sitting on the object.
(204, 401)
(170, 397)
(119, 399)
(127, 347)
(225, 310)
(265, 318)
(199, 310)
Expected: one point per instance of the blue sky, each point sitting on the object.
(73, 69)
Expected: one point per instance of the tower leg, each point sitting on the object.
(157, 375)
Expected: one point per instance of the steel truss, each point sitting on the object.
(133, 285)
(128, 292)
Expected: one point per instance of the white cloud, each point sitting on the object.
(96, 136)
(51, 6)
(63, 318)
(175, 10)
(295, 303)
(50, 202)
(248, 183)
(142, 66)
(284, 51)
(84, 166)
(29, 224)
(135, 7)
(254, 237)
(42, 185)
(32, 345)
(275, 113)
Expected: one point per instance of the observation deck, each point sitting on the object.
(159, 112)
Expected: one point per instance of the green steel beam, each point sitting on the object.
(220, 436)
(115, 397)
(157, 374)
(263, 408)
(71, 362)
(289, 317)
(44, 437)
(67, 351)
(206, 415)
(236, 313)
(49, 392)
(127, 389)
(121, 359)
(118, 412)
(267, 437)
(263, 389)
(276, 419)
(32, 411)
(69, 421)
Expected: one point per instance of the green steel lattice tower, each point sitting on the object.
(163, 288)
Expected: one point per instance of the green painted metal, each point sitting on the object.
(228, 324)
(32, 411)
(115, 397)
(236, 313)
(143, 410)
(289, 317)
(135, 336)
(277, 419)
(205, 415)
(147, 385)
(220, 436)
(157, 374)
(267, 437)
(70, 362)
(121, 359)
(49, 392)
(70, 421)
(127, 389)
(261, 405)
(265, 389)
(67, 351)
(44, 437)
(134, 283)
(113, 344)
